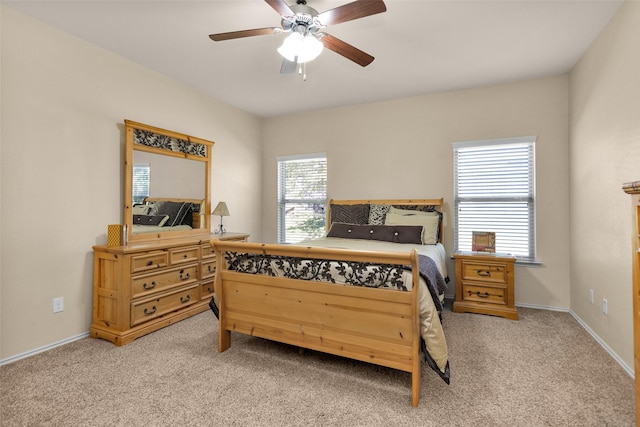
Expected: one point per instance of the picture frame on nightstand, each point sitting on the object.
(483, 241)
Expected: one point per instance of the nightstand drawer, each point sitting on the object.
(486, 272)
(484, 294)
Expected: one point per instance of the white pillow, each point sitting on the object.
(163, 221)
(429, 223)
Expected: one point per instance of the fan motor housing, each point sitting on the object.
(304, 20)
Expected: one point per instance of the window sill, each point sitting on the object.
(528, 262)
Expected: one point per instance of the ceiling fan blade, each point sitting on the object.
(345, 49)
(245, 33)
(281, 7)
(288, 67)
(350, 11)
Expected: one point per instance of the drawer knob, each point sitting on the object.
(149, 312)
(186, 256)
(185, 299)
(210, 290)
(184, 276)
(151, 286)
(483, 273)
(150, 263)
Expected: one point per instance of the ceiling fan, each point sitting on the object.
(304, 23)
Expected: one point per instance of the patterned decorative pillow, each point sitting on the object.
(420, 208)
(350, 214)
(154, 207)
(377, 213)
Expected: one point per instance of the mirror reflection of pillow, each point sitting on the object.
(154, 207)
(157, 220)
(141, 209)
(430, 224)
(177, 212)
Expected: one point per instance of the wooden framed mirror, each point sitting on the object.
(167, 177)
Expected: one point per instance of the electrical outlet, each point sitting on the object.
(591, 296)
(605, 306)
(58, 305)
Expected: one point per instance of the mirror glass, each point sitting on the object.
(162, 176)
(166, 183)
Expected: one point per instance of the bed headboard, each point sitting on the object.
(362, 211)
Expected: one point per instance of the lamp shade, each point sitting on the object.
(306, 48)
(221, 209)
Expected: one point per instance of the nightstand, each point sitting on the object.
(485, 284)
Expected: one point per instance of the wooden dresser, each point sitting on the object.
(633, 188)
(145, 286)
(485, 284)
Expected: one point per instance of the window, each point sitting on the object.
(494, 190)
(302, 197)
(141, 176)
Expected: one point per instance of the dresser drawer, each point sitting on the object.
(154, 282)
(484, 294)
(149, 261)
(151, 308)
(208, 269)
(184, 255)
(207, 251)
(206, 291)
(486, 272)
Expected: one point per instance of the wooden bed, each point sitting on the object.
(379, 326)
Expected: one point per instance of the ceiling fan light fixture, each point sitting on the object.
(305, 47)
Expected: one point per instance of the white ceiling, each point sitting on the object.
(420, 46)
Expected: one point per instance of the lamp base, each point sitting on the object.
(220, 229)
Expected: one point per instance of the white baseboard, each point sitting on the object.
(595, 336)
(42, 349)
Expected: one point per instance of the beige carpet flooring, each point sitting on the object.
(543, 370)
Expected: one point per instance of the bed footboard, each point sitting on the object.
(379, 326)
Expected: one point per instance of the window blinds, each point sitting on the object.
(494, 187)
(141, 178)
(302, 197)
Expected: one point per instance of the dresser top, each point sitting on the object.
(168, 243)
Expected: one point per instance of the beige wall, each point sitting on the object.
(605, 152)
(402, 149)
(63, 106)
